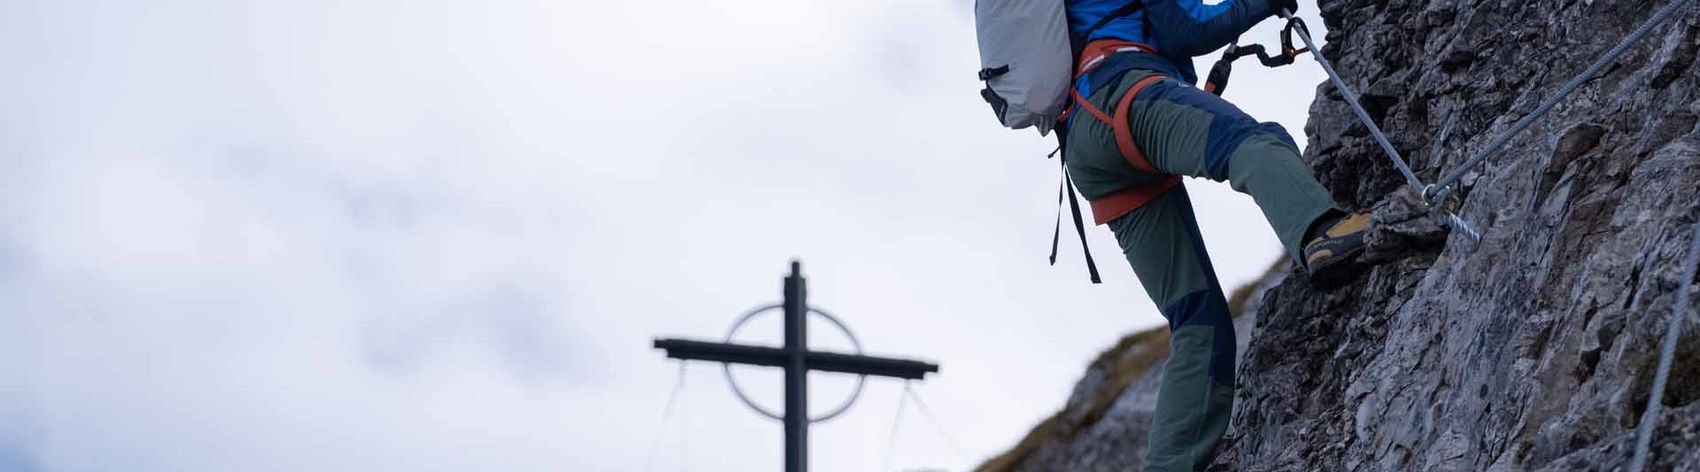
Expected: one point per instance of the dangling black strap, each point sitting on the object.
(1056, 232)
(1066, 187)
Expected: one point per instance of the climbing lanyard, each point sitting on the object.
(1217, 81)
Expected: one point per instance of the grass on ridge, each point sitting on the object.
(1131, 357)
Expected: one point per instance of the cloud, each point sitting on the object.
(440, 235)
(523, 329)
(16, 460)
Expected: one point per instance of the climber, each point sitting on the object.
(1176, 130)
(1135, 126)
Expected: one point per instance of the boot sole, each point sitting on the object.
(1338, 269)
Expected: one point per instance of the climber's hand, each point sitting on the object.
(1276, 6)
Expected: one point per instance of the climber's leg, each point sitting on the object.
(1162, 242)
(1187, 131)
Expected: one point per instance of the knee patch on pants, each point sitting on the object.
(1208, 308)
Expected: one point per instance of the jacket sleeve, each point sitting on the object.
(1188, 28)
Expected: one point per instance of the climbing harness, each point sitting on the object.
(1673, 328)
(1121, 203)
(1111, 206)
(1434, 196)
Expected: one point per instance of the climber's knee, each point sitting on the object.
(1275, 130)
(1187, 131)
(1263, 155)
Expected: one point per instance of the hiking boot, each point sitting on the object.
(1335, 245)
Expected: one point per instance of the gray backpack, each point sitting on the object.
(1027, 55)
(1025, 60)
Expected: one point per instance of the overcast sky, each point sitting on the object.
(424, 235)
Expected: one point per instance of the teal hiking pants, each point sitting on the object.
(1185, 131)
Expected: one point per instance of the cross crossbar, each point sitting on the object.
(765, 356)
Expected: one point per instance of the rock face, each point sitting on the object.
(1530, 351)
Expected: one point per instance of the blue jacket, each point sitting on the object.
(1178, 29)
